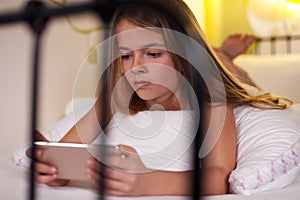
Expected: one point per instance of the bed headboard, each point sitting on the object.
(275, 65)
(277, 45)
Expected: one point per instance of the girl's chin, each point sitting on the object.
(144, 96)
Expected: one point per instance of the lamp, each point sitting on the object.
(267, 18)
(293, 1)
(274, 17)
(292, 17)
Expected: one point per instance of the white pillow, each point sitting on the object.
(277, 74)
(268, 145)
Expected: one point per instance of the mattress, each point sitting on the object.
(14, 185)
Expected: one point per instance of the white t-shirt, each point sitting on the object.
(163, 139)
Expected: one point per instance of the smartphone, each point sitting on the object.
(70, 158)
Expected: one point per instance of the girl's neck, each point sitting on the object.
(169, 103)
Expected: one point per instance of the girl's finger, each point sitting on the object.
(108, 189)
(58, 182)
(28, 152)
(42, 168)
(111, 184)
(38, 153)
(45, 178)
(93, 164)
(97, 167)
(93, 177)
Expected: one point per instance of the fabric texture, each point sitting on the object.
(268, 146)
(268, 143)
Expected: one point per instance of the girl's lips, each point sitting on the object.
(141, 84)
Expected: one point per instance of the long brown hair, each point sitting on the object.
(177, 16)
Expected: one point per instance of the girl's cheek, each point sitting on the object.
(125, 67)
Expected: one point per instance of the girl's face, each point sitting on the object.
(147, 64)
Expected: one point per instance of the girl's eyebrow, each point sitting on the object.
(154, 45)
(124, 49)
(151, 45)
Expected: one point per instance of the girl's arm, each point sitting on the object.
(86, 129)
(221, 160)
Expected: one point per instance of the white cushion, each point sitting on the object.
(268, 145)
(278, 74)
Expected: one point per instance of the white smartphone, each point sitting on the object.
(70, 158)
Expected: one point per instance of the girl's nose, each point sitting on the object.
(138, 65)
(139, 69)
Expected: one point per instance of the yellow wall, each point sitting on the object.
(197, 7)
(225, 17)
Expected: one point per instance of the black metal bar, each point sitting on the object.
(273, 39)
(272, 45)
(292, 37)
(105, 8)
(288, 44)
(197, 144)
(37, 24)
(34, 113)
(104, 110)
(23, 15)
(257, 45)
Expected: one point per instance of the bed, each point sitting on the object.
(14, 186)
(264, 69)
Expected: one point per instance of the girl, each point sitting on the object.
(152, 73)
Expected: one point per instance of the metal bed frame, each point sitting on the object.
(36, 15)
(272, 43)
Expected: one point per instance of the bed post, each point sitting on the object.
(36, 14)
(37, 24)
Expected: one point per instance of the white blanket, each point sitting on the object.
(14, 186)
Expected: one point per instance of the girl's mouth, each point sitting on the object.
(141, 84)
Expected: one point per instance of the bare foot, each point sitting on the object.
(236, 44)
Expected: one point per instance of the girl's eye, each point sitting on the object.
(154, 54)
(125, 57)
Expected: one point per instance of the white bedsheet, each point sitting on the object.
(14, 186)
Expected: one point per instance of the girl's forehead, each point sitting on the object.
(130, 37)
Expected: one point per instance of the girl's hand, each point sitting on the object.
(120, 182)
(45, 173)
(39, 137)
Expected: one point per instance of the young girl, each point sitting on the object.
(152, 76)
